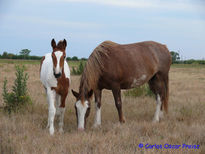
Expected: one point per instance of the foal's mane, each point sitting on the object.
(94, 67)
(60, 46)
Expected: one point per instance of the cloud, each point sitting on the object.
(149, 4)
(50, 22)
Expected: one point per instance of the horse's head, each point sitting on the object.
(82, 108)
(58, 57)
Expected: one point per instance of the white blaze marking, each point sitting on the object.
(97, 121)
(139, 81)
(157, 113)
(58, 55)
(81, 110)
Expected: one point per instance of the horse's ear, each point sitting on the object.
(53, 43)
(90, 93)
(65, 43)
(75, 93)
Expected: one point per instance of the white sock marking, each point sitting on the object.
(97, 121)
(156, 115)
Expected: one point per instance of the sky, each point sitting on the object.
(31, 24)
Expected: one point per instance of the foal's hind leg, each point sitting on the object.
(97, 121)
(62, 112)
(118, 104)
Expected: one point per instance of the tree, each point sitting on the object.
(74, 58)
(175, 56)
(25, 52)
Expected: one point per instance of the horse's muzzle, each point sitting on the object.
(57, 75)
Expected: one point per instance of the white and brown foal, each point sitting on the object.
(55, 76)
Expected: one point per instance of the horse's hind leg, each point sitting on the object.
(118, 104)
(158, 87)
(98, 94)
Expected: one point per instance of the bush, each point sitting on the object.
(19, 96)
(79, 69)
(143, 90)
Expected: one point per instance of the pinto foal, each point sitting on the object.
(55, 76)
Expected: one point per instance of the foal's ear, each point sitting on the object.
(75, 93)
(53, 43)
(90, 93)
(65, 43)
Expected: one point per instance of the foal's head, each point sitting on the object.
(58, 57)
(82, 107)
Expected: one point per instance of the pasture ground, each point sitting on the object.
(26, 132)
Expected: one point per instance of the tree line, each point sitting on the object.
(25, 54)
(177, 60)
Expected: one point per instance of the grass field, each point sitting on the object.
(26, 132)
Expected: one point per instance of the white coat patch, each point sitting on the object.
(139, 81)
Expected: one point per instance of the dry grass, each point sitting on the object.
(26, 133)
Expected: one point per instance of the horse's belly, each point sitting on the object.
(134, 82)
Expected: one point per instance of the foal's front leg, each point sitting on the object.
(51, 109)
(97, 121)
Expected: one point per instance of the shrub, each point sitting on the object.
(18, 97)
(79, 69)
(143, 90)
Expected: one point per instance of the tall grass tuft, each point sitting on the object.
(79, 69)
(143, 90)
(18, 97)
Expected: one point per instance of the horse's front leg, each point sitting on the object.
(97, 121)
(118, 104)
(51, 109)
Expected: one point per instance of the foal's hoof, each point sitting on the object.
(61, 131)
(155, 120)
(96, 126)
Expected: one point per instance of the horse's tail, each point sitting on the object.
(166, 97)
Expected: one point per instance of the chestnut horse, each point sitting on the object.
(55, 76)
(114, 67)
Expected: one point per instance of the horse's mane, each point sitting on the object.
(94, 67)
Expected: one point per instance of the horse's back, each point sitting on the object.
(138, 62)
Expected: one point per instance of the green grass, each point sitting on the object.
(33, 62)
(187, 66)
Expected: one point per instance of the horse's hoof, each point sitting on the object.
(51, 130)
(81, 129)
(122, 120)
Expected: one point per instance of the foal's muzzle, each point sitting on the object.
(57, 75)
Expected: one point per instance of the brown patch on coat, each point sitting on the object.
(62, 88)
